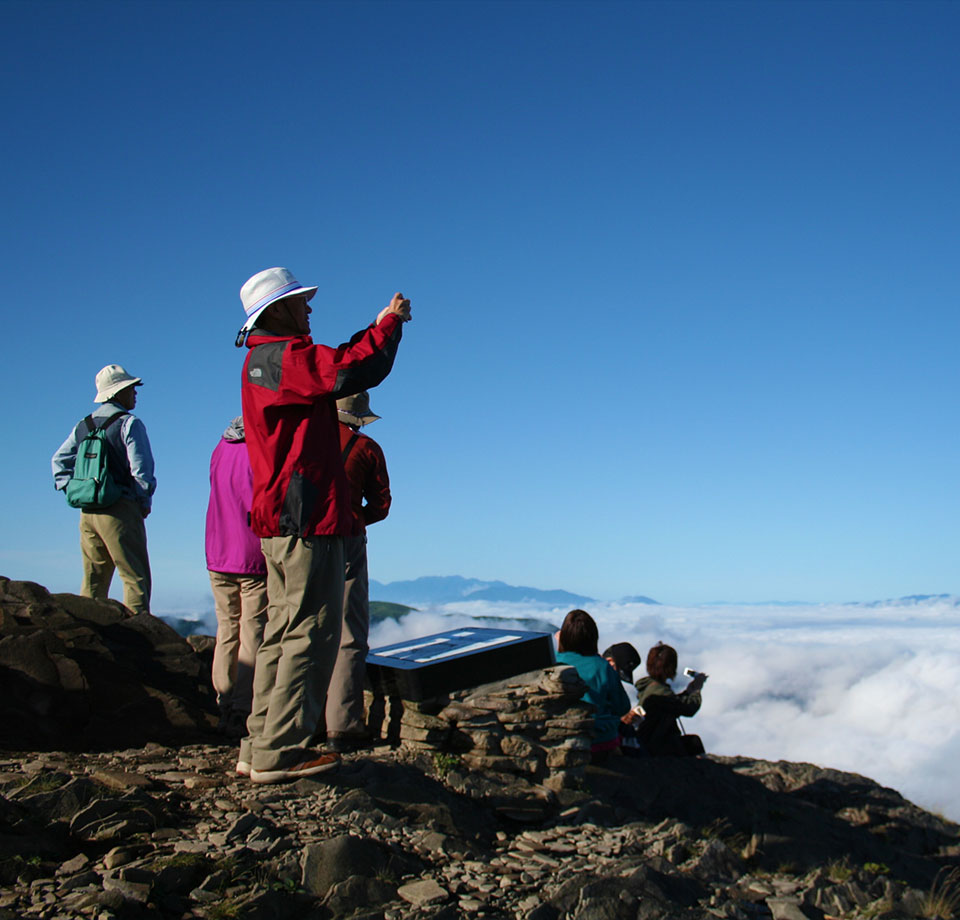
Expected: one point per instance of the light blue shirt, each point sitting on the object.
(128, 437)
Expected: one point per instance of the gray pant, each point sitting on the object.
(345, 714)
(241, 605)
(116, 538)
(305, 589)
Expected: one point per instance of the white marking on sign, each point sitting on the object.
(464, 649)
(397, 652)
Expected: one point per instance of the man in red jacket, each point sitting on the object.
(366, 469)
(301, 508)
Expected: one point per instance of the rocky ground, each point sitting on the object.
(160, 832)
(471, 811)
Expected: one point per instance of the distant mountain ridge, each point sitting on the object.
(912, 600)
(449, 589)
(909, 600)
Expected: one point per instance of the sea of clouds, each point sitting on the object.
(868, 689)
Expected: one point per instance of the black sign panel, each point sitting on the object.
(429, 666)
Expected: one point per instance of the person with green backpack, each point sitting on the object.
(105, 469)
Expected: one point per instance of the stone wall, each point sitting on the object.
(532, 726)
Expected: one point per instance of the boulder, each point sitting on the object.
(331, 862)
(80, 674)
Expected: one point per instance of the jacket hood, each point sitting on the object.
(234, 431)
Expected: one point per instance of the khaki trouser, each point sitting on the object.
(305, 590)
(116, 538)
(345, 697)
(241, 605)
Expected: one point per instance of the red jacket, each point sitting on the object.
(366, 469)
(289, 392)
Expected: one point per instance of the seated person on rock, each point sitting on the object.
(577, 647)
(653, 722)
(624, 659)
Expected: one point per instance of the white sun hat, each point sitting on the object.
(265, 288)
(111, 380)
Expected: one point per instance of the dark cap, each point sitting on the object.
(625, 659)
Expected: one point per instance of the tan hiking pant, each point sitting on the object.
(344, 711)
(240, 602)
(116, 538)
(300, 642)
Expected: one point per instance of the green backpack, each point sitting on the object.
(92, 486)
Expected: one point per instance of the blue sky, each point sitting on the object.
(684, 276)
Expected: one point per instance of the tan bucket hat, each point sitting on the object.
(355, 410)
(111, 380)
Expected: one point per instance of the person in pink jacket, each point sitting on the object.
(238, 577)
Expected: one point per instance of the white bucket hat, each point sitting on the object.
(111, 380)
(265, 288)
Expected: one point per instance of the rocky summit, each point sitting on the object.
(463, 809)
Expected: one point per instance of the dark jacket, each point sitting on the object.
(659, 731)
(366, 469)
(289, 392)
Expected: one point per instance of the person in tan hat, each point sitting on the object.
(366, 469)
(114, 536)
(300, 510)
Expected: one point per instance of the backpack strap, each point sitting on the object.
(109, 421)
(92, 426)
(349, 446)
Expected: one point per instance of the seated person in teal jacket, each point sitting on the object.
(577, 647)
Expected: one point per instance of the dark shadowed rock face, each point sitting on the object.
(79, 674)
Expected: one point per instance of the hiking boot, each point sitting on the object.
(347, 744)
(314, 762)
(234, 726)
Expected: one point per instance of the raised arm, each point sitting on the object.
(676, 704)
(310, 371)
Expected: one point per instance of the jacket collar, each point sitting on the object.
(109, 408)
(260, 336)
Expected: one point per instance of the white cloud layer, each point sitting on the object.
(872, 690)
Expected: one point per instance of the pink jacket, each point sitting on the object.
(232, 547)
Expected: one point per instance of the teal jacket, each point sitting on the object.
(604, 691)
